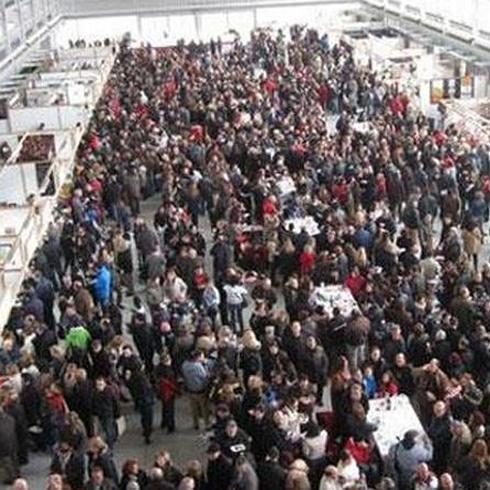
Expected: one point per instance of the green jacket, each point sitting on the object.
(79, 338)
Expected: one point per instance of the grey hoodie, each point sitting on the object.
(407, 460)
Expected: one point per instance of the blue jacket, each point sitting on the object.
(103, 285)
(364, 238)
(370, 386)
(478, 208)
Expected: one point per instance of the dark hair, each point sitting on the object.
(344, 455)
(128, 466)
(195, 354)
(408, 440)
(214, 447)
(312, 429)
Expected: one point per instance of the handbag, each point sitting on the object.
(244, 302)
(121, 425)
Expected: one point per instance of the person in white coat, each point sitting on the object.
(330, 479)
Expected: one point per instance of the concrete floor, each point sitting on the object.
(185, 444)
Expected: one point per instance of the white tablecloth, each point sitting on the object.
(361, 127)
(308, 223)
(285, 186)
(334, 296)
(392, 424)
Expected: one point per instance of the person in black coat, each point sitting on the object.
(99, 456)
(402, 374)
(42, 342)
(45, 292)
(221, 254)
(440, 434)
(220, 469)
(273, 359)
(142, 335)
(8, 448)
(128, 361)
(70, 465)
(132, 474)
(106, 408)
(156, 481)
(31, 400)
(442, 349)
(474, 469)
(277, 434)
(15, 409)
(257, 429)
(271, 474)
(81, 400)
(294, 343)
(101, 362)
(142, 393)
(251, 361)
(34, 306)
(315, 365)
(169, 471)
(234, 441)
(357, 425)
(98, 480)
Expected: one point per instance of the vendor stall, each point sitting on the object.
(285, 187)
(334, 296)
(393, 417)
(307, 223)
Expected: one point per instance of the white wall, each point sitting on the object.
(53, 117)
(94, 28)
(166, 30)
(13, 179)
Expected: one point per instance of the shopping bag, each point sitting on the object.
(121, 425)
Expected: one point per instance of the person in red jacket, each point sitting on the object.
(307, 260)
(167, 390)
(381, 187)
(170, 90)
(200, 281)
(361, 450)
(270, 208)
(340, 191)
(197, 133)
(115, 108)
(95, 143)
(387, 386)
(53, 395)
(439, 137)
(323, 95)
(396, 106)
(270, 86)
(355, 282)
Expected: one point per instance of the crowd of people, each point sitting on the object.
(36, 148)
(281, 386)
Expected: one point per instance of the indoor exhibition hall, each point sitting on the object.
(244, 244)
